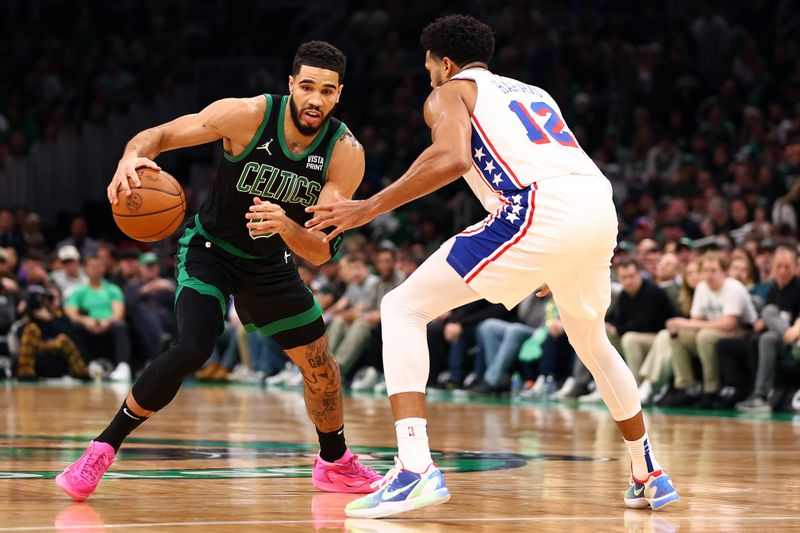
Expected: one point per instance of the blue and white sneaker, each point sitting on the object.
(657, 492)
(399, 491)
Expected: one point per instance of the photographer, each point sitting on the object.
(45, 335)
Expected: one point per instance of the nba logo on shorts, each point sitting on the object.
(411, 431)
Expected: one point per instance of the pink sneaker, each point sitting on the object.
(345, 475)
(80, 479)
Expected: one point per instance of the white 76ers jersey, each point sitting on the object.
(518, 138)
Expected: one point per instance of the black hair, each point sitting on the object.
(320, 54)
(462, 38)
(626, 262)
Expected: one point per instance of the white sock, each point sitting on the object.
(643, 460)
(412, 444)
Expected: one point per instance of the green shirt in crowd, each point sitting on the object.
(95, 302)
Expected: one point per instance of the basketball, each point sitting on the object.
(154, 210)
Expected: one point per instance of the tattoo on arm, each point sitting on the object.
(349, 137)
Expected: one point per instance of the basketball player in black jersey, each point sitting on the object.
(281, 155)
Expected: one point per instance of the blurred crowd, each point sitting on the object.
(692, 110)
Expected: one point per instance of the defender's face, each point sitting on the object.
(314, 93)
(435, 68)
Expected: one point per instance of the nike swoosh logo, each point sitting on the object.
(125, 410)
(638, 492)
(389, 494)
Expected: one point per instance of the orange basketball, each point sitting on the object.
(153, 211)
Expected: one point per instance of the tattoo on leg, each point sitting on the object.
(323, 391)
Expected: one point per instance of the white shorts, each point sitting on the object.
(560, 231)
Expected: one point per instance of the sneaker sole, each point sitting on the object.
(636, 503)
(63, 485)
(436, 497)
(364, 488)
(659, 503)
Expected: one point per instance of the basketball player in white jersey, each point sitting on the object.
(551, 222)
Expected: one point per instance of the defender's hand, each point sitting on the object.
(342, 216)
(126, 170)
(265, 218)
(542, 291)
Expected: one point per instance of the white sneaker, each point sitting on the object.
(646, 392)
(121, 373)
(565, 389)
(281, 377)
(95, 370)
(470, 379)
(252, 377)
(592, 397)
(380, 386)
(365, 379)
(295, 378)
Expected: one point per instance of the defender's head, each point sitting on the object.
(454, 41)
(315, 84)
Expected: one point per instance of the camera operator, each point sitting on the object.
(45, 335)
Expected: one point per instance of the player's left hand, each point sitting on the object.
(264, 218)
(341, 216)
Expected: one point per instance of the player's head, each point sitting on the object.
(315, 84)
(454, 41)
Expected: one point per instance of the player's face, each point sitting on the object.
(313, 94)
(435, 68)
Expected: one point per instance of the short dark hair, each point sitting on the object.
(626, 262)
(320, 54)
(462, 38)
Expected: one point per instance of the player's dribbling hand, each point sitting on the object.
(264, 218)
(126, 170)
(341, 216)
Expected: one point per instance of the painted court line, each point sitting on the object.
(484, 519)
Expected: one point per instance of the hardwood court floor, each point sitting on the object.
(238, 459)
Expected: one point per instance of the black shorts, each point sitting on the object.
(268, 293)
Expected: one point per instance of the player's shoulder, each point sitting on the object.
(247, 107)
(346, 144)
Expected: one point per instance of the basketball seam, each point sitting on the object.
(140, 237)
(155, 189)
(134, 215)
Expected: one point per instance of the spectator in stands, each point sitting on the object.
(32, 271)
(109, 254)
(8, 281)
(149, 303)
(98, 309)
(667, 276)
(348, 334)
(780, 325)
(129, 268)
(641, 310)
(10, 234)
(388, 277)
(451, 339)
(656, 370)
(46, 333)
(721, 308)
(500, 342)
(71, 275)
(35, 242)
(79, 238)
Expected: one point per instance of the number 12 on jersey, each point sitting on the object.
(554, 125)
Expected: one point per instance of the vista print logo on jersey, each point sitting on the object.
(315, 162)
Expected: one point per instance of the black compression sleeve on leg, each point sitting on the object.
(199, 324)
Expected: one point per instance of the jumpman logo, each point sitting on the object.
(265, 146)
(286, 256)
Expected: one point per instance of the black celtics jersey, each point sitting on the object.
(267, 169)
